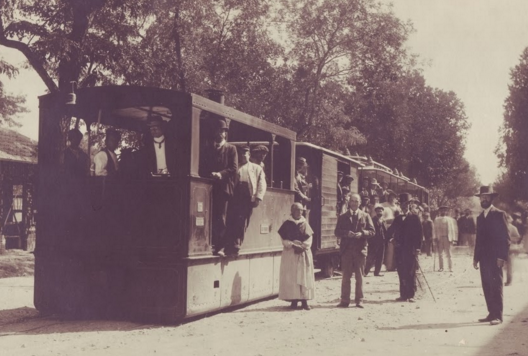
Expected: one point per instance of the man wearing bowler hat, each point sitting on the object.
(220, 162)
(491, 253)
(160, 149)
(406, 232)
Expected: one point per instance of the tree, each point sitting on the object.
(10, 105)
(514, 135)
(71, 40)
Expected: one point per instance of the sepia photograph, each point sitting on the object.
(263, 177)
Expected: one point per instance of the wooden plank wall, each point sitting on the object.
(328, 210)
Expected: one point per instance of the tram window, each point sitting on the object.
(281, 164)
(17, 202)
(129, 142)
(75, 159)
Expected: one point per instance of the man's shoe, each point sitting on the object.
(220, 253)
(293, 305)
(411, 300)
(485, 320)
(441, 270)
(359, 305)
(378, 275)
(342, 305)
(507, 284)
(400, 299)
(495, 322)
(305, 305)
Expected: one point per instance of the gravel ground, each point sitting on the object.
(385, 327)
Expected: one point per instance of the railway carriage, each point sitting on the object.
(139, 246)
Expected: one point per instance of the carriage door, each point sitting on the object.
(328, 202)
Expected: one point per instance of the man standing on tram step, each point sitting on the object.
(491, 252)
(406, 232)
(249, 192)
(444, 235)
(161, 151)
(353, 228)
(376, 244)
(300, 184)
(105, 161)
(220, 162)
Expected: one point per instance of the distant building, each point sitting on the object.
(18, 169)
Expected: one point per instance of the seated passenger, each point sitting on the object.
(249, 192)
(105, 161)
(76, 161)
(160, 149)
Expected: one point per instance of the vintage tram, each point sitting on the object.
(139, 246)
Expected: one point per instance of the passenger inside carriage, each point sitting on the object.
(160, 149)
(76, 161)
(105, 162)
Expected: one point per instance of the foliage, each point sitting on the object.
(10, 107)
(335, 71)
(513, 185)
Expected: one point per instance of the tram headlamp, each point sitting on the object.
(71, 98)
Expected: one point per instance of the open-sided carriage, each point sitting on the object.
(138, 246)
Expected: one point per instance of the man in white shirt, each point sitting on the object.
(105, 161)
(444, 235)
(161, 150)
(249, 192)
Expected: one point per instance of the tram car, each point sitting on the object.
(138, 246)
(324, 166)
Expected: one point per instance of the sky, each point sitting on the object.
(469, 46)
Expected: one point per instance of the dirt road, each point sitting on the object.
(384, 327)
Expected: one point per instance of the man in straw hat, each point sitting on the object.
(406, 231)
(491, 253)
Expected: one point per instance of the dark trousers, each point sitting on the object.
(238, 215)
(352, 261)
(427, 246)
(376, 249)
(406, 264)
(220, 204)
(491, 276)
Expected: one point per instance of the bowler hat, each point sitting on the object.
(348, 176)
(443, 207)
(486, 190)
(301, 161)
(154, 121)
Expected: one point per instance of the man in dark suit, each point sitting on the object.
(406, 233)
(376, 245)
(220, 163)
(160, 149)
(353, 228)
(491, 252)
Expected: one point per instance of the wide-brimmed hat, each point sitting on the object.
(155, 121)
(486, 190)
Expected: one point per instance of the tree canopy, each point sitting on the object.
(335, 71)
(512, 149)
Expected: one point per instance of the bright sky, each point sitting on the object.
(471, 46)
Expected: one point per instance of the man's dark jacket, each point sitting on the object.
(493, 240)
(345, 223)
(407, 233)
(223, 160)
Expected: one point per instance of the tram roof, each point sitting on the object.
(330, 152)
(135, 101)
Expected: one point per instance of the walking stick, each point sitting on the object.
(434, 257)
(425, 279)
